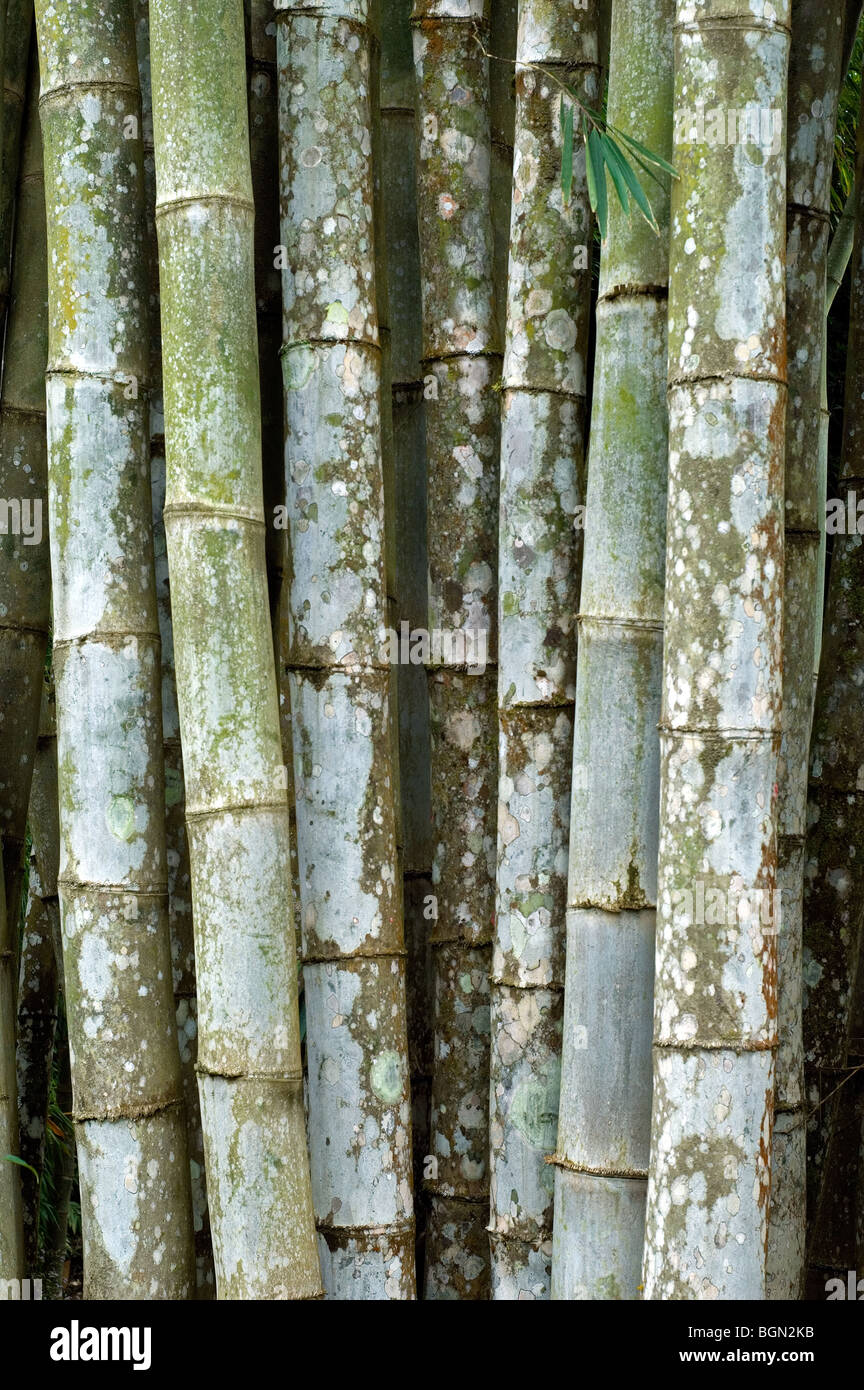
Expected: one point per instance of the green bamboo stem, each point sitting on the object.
(604, 1125)
(129, 1121)
(249, 1074)
(179, 879)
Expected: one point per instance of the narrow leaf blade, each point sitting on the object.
(635, 187)
(596, 159)
(613, 164)
(651, 157)
(567, 152)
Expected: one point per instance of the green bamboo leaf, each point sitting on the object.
(614, 162)
(595, 159)
(635, 187)
(589, 170)
(646, 168)
(647, 154)
(13, 1158)
(567, 152)
(600, 121)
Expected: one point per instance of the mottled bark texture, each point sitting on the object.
(41, 958)
(25, 576)
(715, 1026)
(541, 486)
(129, 1120)
(334, 610)
(461, 361)
(835, 816)
(814, 82)
(604, 1125)
(249, 1072)
(399, 199)
(179, 884)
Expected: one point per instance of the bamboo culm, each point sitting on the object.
(461, 352)
(814, 82)
(249, 1069)
(542, 488)
(335, 610)
(715, 1004)
(128, 1111)
(602, 1175)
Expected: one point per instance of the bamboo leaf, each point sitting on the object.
(614, 162)
(600, 120)
(589, 171)
(616, 158)
(652, 173)
(13, 1158)
(595, 158)
(647, 154)
(567, 152)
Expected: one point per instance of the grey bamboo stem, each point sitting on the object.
(129, 1120)
(461, 357)
(715, 1026)
(336, 605)
(542, 487)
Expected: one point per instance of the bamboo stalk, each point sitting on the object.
(814, 81)
(604, 1125)
(542, 485)
(24, 553)
(128, 1106)
(249, 1074)
(715, 1027)
(17, 26)
(833, 919)
(400, 233)
(336, 606)
(11, 1228)
(177, 847)
(461, 359)
(40, 976)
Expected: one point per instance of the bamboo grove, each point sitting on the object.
(431, 649)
